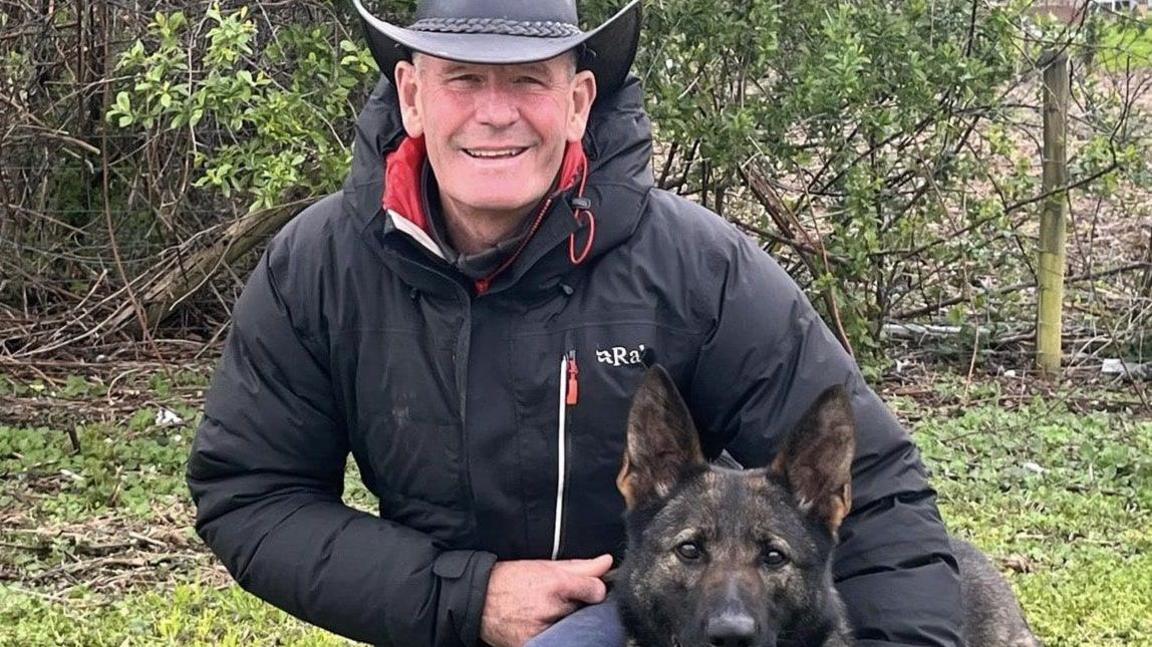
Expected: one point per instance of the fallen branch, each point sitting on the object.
(174, 281)
(1088, 276)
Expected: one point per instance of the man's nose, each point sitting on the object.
(496, 107)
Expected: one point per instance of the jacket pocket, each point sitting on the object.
(575, 441)
(407, 421)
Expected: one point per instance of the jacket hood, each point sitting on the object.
(618, 148)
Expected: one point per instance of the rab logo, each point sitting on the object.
(620, 356)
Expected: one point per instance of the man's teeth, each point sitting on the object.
(493, 154)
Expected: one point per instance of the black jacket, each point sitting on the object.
(353, 337)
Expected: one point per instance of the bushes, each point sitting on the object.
(878, 146)
(887, 152)
(205, 111)
(279, 117)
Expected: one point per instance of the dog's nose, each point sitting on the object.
(731, 629)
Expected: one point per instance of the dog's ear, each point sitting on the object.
(662, 440)
(816, 458)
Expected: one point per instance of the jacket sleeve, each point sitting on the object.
(266, 473)
(767, 359)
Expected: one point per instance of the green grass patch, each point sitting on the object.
(183, 614)
(1064, 496)
(130, 469)
(1096, 598)
(98, 547)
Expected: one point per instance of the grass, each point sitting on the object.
(1064, 496)
(185, 613)
(96, 546)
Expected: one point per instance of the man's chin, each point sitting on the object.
(501, 205)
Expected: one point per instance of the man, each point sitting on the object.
(469, 318)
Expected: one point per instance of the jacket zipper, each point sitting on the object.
(569, 397)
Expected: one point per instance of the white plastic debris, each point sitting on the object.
(1118, 367)
(1113, 367)
(167, 418)
(72, 475)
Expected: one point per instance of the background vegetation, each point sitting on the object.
(887, 153)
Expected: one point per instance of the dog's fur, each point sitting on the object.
(742, 558)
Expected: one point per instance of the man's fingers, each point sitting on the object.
(583, 583)
(564, 607)
(588, 590)
(595, 567)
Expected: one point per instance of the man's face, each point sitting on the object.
(495, 134)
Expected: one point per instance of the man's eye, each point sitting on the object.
(529, 80)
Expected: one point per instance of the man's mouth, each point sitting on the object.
(494, 153)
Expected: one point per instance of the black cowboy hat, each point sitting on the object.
(507, 31)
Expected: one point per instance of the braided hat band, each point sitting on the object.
(501, 26)
(506, 32)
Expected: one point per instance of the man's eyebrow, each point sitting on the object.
(536, 68)
(455, 68)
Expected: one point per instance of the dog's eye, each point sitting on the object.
(773, 558)
(689, 551)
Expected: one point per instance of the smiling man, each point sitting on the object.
(468, 319)
(495, 136)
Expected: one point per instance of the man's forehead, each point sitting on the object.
(448, 66)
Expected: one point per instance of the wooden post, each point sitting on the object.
(1053, 217)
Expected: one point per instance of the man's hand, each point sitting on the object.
(526, 597)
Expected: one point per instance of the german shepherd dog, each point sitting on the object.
(722, 557)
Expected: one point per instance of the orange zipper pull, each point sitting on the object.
(573, 383)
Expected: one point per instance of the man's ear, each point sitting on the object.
(583, 95)
(662, 440)
(407, 89)
(816, 458)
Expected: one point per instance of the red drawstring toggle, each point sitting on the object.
(582, 205)
(576, 260)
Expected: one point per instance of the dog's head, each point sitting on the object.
(730, 558)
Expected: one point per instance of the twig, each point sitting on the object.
(1090, 276)
(112, 229)
(971, 363)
